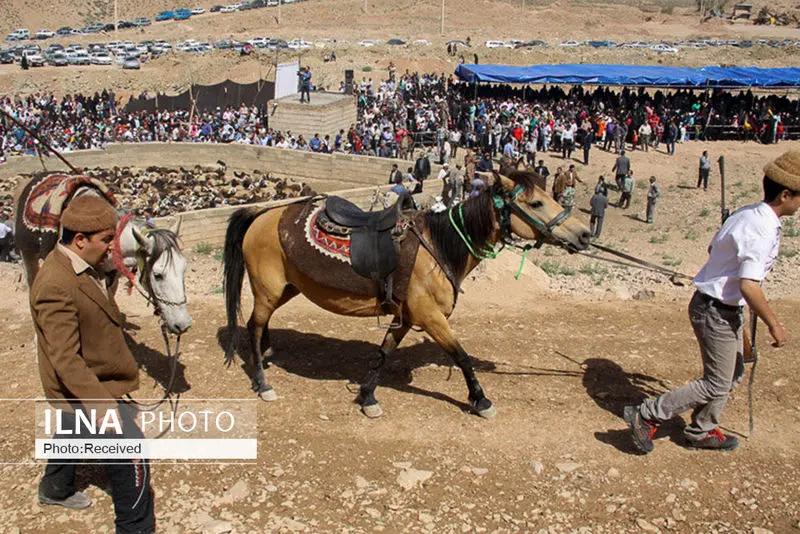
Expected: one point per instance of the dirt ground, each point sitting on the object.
(345, 22)
(560, 354)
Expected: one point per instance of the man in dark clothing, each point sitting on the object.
(621, 168)
(422, 169)
(395, 176)
(542, 170)
(485, 164)
(588, 140)
(599, 203)
(305, 84)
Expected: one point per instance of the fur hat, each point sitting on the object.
(785, 170)
(89, 214)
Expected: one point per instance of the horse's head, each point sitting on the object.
(161, 274)
(533, 214)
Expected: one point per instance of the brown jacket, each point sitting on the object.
(82, 352)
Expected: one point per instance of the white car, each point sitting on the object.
(272, 3)
(100, 58)
(44, 34)
(198, 11)
(298, 44)
(512, 43)
(494, 44)
(662, 48)
(421, 42)
(367, 42)
(569, 43)
(79, 57)
(228, 9)
(259, 41)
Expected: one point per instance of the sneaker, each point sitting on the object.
(715, 441)
(642, 430)
(77, 501)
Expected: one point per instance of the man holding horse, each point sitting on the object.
(741, 254)
(84, 362)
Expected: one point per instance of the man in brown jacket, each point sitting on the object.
(84, 362)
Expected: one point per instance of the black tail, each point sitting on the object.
(238, 224)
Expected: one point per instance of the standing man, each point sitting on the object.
(704, 171)
(84, 362)
(627, 191)
(422, 169)
(559, 184)
(740, 256)
(395, 176)
(599, 203)
(305, 84)
(542, 170)
(620, 169)
(588, 141)
(6, 239)
(653, 192)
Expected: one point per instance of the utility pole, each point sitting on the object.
(279, 11)
(365, 6)
(442, 31)
(116, 19)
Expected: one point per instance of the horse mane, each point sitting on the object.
(478, 225)
(165, 242)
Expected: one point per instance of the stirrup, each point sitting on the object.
(392, 325)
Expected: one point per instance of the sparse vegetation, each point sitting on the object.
(691, 235)
(366, 68)
(555, 268)
(216, 291)
(788, 252)
(659, 239)
(670, 261)
(790, 229)
(203, 248)
(218, 254)
(705, 212)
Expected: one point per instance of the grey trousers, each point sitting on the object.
(719, 333)
(596, 225)
(651, 210)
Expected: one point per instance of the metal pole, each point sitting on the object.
(442, 31)
(279, 11)
(365, 6)
(42, 142)
(116, 19)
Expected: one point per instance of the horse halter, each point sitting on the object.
(507, 204)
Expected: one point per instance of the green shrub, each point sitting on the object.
(705, 212)
(219, 255)
(203, 248)
(691, 235)
(554, 268)
(366, 68)
(788, 253)
(658, 239)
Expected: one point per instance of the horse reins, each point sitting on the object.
(636, 262)
(151, 298)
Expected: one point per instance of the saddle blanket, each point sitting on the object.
(47, 198)
(325, 258)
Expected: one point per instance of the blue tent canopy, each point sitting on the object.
(654, 76)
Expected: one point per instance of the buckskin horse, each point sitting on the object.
(153, 252)
(285, 253)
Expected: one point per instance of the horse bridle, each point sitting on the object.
(545, 229)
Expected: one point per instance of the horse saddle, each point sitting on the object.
(373, 239)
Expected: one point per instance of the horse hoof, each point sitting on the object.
(373, 411)
(268, 395)
(488, 413)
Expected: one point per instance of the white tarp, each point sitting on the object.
(286, 79)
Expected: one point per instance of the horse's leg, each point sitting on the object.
(366, 396)
(31, 261)
(439, 329)
(258, 326)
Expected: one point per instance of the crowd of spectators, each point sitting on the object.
(405, 112)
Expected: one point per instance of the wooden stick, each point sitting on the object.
(41, 141)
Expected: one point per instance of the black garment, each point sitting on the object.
(485, 165)
(542, 171)
(395, 177)
(702, 178)
(5, 247)
(129, 479)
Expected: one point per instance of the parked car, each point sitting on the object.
(34, 58)
(64, 31)
(494, 44)
(198, 11)
(6, 58)
(57, 59)
(22, 33)
(79, 57)
(395, 42)
(165, 15)
(569, 44)
(299, 44)
(182, 14)
(368, 42)
(228, 9)
(142, 21)
(101, 58)
(131, 62)
(96, 27)
(531, 44)
(215, 9)
(44, 34)
(662, 48)
(601, 44)
(125, 24)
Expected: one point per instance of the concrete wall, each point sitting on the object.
(305, 119)
(323, 172)
(353, 177)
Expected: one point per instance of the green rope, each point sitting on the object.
(522, 263)
(487, 252)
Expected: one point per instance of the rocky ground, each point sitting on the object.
(560, 351)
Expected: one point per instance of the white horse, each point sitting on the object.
(152, 253)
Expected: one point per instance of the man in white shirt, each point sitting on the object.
(740, 256)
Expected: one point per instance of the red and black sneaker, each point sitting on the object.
(642, 430)
(715, 441)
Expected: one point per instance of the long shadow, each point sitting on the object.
(611, 388)
(319, 357)
(687, 187)
(634, 217)
(158, 366)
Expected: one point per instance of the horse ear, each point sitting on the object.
(502, 181)
(176, 228)
(145, 242)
